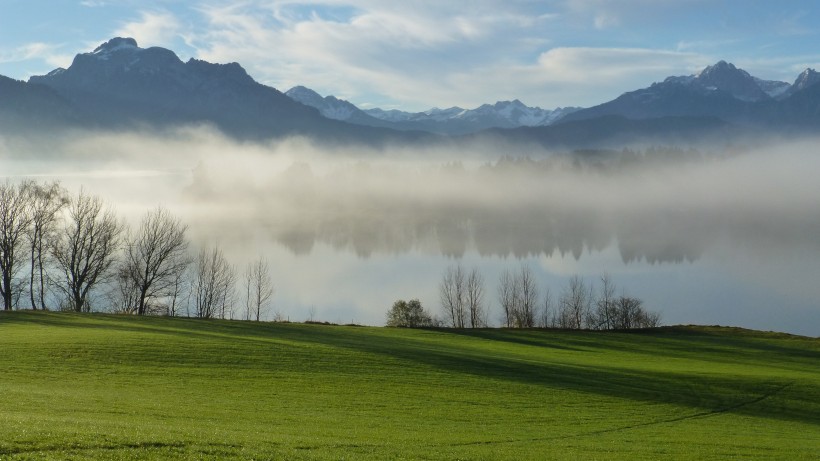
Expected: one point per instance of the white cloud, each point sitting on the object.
(46, 52)
(373, 52)
(597, 65)
(152, 29)
(609, 14)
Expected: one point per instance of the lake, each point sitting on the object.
(729, 238)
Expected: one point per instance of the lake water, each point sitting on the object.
(730, 240)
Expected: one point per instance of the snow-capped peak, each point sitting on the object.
(305, 95)
(114, 45)
(328, 106)
(806, 79)
(719, 67)
(728, 78)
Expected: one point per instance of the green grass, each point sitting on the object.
(112, 387)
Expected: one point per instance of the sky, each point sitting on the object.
(417, 54)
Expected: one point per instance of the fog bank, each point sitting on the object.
(751, 218)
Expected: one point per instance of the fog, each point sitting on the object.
(730, 236)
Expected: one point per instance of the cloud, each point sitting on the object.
(596, 65)
(437, 54)
(152, 29)
(47, 52)
(607, 14)
(373, 52)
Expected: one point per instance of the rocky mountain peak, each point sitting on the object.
(726, 77)
(116, 44)
(806, 79)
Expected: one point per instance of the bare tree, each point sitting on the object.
(85, 251)
(177, 287)
(526, 298)
(475, 299)
(507, 294)
(575, 304)
(14, 222)
(213, 280)
(630, 313)
(123, 296)
(47, 200)
(547, 318)
(628, 309)
(259, 288)
(452, 295)
(311, 316)
(154, 256)
(227, 300)
(650, 319)
(602, 318)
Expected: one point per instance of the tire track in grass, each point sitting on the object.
(700, 415)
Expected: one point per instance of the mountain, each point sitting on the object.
(721, 90)
(454, 120)
(502, 114)
(726, 77)
(333, 108)
(773, 88)
(25, 106)
(121, 85)
(807, 78)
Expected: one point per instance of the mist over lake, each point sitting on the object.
(727, 237)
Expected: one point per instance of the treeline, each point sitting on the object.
(72, 252)
(525, 304)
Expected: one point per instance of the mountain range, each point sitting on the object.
(723, 91)
(120, 85)
(451, 121)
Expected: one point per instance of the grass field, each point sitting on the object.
(111, 387)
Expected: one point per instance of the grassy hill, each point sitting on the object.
(112, 387)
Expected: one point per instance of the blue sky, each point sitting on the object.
(416, 54)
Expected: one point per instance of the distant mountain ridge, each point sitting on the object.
(453, 121)
(120, 85)
(721, 90)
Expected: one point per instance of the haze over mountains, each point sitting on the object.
(120, 85)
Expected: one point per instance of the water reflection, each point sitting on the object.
(525, 210)
(721, 239)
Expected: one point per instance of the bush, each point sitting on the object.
(408, 314)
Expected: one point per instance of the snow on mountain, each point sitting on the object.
(452, 120)
(503, 114)
(120, 84)
(114, 45)
(806, 79)
(737, 82)
(392, 115)
(720, 90)
(438, 115)
(774, 88)
(329, 106)
(726, 77)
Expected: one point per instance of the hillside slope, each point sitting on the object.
(109, 387)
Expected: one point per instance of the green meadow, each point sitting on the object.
(119, 387)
